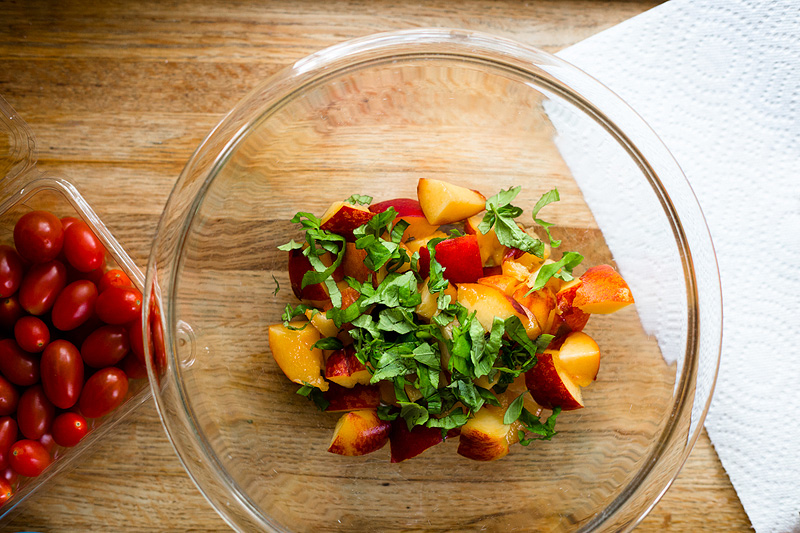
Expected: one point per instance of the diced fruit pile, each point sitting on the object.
(427, 319)
(70, 339)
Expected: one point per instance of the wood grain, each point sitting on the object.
(120, 93)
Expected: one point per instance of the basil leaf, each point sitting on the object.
(514, 409)
(328, 343)
(414, 414)
(291, 245)
(567, 262)
(359, 199)
(455, 419)
(387, 412)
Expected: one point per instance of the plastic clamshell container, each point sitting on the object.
(24, 188)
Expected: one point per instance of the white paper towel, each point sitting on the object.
(719, 82)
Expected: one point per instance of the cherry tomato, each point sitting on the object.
(69, 429)
(62, 373)
(82, 248)
(9, 397)
(35, 413)
(114, 278)
(67, 222)
(9, 475)
(18, 366)
(5, 491)
(117, 305)
(8, 436)
(103, 392)
(106, 346)
(48, 441)
(10, 311)
(136, 337)
(32, 334)
(28, 458)
(38, 236)
(41, 286)
(11, 269)
(74, 305)
(133, 368)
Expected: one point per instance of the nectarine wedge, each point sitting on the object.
(344, 369)
(342, 218)
(460, 257)
(406, 444)
(507, 284)
(602, 291)
(445, 203)
(484, 437)
(359, 397)
(489, 302)
(492, 251)
(359, 433)
(410, 211)
(294, 355)
(579, 356)
(551, 386)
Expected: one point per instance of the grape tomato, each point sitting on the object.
(18, 366)
(41, 286)
(103, 392)
(10, 312)
(114, 278)
(82, 248)
(69, 429)
(29, 458)
(62, 373)
(35, 413)
(32, 334)
(9, 397)
(8, 436)
(105, 346)
(74, 305)
(11, 269)
(38, 236)
(118, 305)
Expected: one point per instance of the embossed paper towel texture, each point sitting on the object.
(719, 82)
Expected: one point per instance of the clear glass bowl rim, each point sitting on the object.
(606, 107)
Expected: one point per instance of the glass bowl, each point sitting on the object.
(372, 116)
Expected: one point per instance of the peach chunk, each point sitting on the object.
(489, 302)
(409, 210)
(507, 284)
(541, 303)
(579, 356)
(359, 433)
(428, 307)
(325, 326)
(353, 263)
(492, 251)
(406, 444)
(551, 386)
(602, 291)
(445, 203)
(344, 369)
(292, 351)
(572, 318)
(342, 218)
(460, 258)
(484, 437)
(359, 397)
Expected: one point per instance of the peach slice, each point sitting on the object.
(406, 444)
(516, 270)
(444, 203)
(325, 326)
(579, 356)
(572, 318)
(344, 369)
(359, 397)
(294, 355)
(428, 307)
(489, 302)
(484, 437)
(298, 266)
(419, 244)
(540, 302)
(342, 218)
(359, 433)
(353, 263)
(409, 210)
(507, 284)
(602, 291)
(460, 257)
(551, 386)
(492, 251)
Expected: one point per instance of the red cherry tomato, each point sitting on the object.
(133, 368)
(8, 436)
(82, 248)
(32, 334)
(35, 413)
(106, 346)
(9, 397)
(69, 429)
(41, 286)
(11, 269)
(103, 392)
(114, 278)
(74, 305)
(62, 373)
(10, 312)
(48, 441)
(117, 305)
(38, 236)
(8, 475)
(67, 222)
(18, 366)
(28, 458)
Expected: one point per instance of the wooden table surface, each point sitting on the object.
(120, 93)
